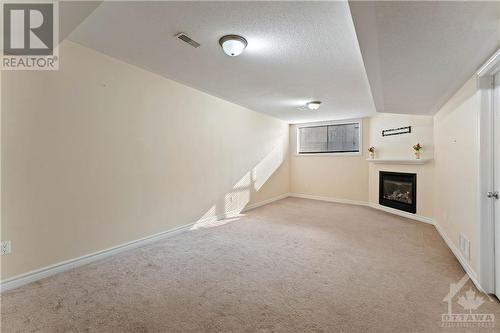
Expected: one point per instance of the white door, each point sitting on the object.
(496, 117)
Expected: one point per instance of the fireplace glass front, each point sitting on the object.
(398, 190)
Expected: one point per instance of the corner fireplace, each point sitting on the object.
(398, 190)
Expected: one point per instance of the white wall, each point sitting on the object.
(339, 177)
(101, 152)
(352, 178)
(447, 188)
(400, 147)
(457, 167)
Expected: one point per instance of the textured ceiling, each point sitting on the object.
(72, 13)
(297, 52)
(417, 54)
(411, 56)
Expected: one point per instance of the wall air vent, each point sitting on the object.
(185, 38)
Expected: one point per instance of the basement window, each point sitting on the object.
(334, 138)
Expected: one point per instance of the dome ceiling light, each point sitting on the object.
(233, 45)
(314, 105)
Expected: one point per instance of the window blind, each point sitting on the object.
(335, 138)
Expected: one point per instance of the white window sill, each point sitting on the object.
(331, 154)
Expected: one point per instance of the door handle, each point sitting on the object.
(492, 194)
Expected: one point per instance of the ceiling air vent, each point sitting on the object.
(185, 38)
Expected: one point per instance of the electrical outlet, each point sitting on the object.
(5, 247)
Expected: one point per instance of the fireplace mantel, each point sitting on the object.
(399, 161)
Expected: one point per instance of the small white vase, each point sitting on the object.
(372, 155)
(417, 154)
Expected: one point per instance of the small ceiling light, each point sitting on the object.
(233, 45)
(314, 105)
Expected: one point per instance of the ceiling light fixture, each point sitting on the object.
(314, 105)
(233, 45)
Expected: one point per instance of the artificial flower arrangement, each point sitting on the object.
(371, 150)
(418, 150)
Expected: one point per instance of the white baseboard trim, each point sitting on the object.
(265, 202)
(465, 265)
(470, 272)
(23, 279)
(328, 199)
(20, 280)
(403, 214)
(419, 218)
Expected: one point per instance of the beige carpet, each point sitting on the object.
(292, 266)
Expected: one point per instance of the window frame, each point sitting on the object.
(326, 123)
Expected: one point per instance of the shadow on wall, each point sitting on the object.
(228, 208)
